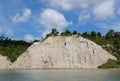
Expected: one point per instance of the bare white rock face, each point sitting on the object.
(62, 52)
(4, 63)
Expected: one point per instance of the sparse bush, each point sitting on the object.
(75, 33)
(110, 64)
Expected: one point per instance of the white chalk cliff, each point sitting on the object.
(4, 63)
(62, 52)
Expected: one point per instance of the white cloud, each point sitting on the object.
(50, 18)
(9, 32)
(72, 4)
(84, 18)
(114, 25)
(105, 9)
(5, 31)
(22, 18)
(28, 38)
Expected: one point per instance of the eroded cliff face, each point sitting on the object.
(4, 63)
(62, 52)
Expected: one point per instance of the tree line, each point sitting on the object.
(109, 35)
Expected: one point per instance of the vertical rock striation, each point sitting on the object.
(62, 52)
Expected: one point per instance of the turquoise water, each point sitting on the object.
(60, 75)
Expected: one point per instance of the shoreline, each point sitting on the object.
(64, 69)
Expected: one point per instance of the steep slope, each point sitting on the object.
(4, 63)
(62, 52)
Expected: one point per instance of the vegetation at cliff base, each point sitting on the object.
(110, 64)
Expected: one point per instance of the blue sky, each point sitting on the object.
(32, 19)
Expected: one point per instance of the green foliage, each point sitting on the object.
(110, 34)
(54, 32)
(93, 34)
(74, 33)
(117, 34)
(47, 35)
(36, 40)
(63, 34)
(110, 64)
(12, 48)
(85, 34)
(68, 33)
(99, 34)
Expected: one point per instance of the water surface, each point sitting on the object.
(60, 75)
